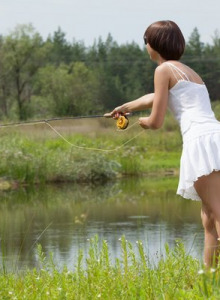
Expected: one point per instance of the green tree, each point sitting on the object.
(205, 60)
(60, 50)
(24, 53)
(194, 46)
(124, 72)
(57, 77)
(5, 83)
(110, 88)
(194, 53)
(211, 73)
(72, 89)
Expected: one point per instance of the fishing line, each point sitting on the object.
(94, 149)
(46, 121)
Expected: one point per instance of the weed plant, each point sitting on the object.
(33, 154)
(36, 155)
(131, 276)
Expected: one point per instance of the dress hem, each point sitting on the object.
(190, 195)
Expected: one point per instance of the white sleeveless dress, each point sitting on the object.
(190, 104)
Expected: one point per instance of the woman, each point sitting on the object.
(182, 90)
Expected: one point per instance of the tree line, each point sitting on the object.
(54, 77)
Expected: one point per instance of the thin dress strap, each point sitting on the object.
(176, 71)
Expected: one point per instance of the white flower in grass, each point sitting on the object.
(201, 272)
(10, 293)
(59, 289)
(99, 295)
(119, 239)
(212, 270)
(139, 243)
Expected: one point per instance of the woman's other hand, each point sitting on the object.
(143, 122)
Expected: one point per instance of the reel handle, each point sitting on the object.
(108, 115)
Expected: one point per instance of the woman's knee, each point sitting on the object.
(208, 220)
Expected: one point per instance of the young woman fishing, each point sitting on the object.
(181, 89)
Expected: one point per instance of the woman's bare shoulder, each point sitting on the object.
(162, 71)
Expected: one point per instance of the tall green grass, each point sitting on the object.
(35, 154)
(133, 275)
(32, 161)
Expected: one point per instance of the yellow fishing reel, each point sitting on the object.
(122, 122)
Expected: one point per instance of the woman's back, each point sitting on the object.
(188, 97)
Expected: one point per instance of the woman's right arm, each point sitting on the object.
(139, 104)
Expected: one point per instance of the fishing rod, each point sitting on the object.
(121, 122)
(53, 119)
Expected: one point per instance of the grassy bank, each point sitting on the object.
(33, 154)
(131, 276)
(88, 150)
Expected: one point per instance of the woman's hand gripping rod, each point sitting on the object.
(122, 120)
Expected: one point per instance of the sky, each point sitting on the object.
(125, 20)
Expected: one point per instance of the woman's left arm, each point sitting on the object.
(161, 89)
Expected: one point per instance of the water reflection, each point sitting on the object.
(62, 218)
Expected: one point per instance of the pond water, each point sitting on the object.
(63, 218)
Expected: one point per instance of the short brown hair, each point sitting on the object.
(166, 38)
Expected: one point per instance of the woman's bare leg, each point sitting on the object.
(208, 188)
(210, 237)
